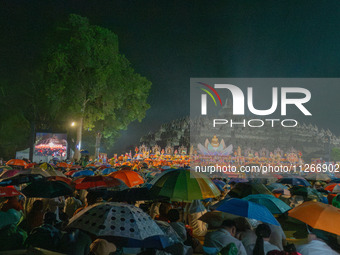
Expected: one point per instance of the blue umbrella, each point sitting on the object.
(220, 184)
(238, 180)
(84, 152)
(83, 173)
(246, 209)
(295, 181)
(108, 170)
(273, 204)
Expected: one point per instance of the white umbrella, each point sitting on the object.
(116, 219)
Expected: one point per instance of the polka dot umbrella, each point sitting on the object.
(116, 220)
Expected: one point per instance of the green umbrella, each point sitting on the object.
(273, 204)
(184, 185)
(307, 192)
(242, 190)
(47, 189)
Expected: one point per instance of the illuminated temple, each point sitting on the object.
(304, 139)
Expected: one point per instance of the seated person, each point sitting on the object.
(220, 238)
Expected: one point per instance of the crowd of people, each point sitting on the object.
(190, 227)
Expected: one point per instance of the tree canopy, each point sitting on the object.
(82, 77)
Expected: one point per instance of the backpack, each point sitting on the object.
(45, 236)
(230, 249)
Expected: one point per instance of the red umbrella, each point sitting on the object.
(9, 191)
(69, 173)
(17, 162)
(130, 178)
(76, 167)
(88, 182)
(9, 173)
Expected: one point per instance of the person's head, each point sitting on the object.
(230, 226)
(38, 205)
(91, 198)
(102, 247)
(50, 218)
(263, 230)
(164, 208)
(263, 233)
(173, 215)
(242, 224)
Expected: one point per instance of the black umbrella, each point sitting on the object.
(21, 179)
(47, 189)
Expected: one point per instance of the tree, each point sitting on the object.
(96, 84)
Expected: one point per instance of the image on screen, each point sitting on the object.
(50, 144)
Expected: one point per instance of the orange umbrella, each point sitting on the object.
(64, 165)
(17, 162)
(318, 215)
(330, 187)
(130, 178)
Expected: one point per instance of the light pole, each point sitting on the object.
(78, 126)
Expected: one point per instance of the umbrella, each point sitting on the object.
(130, 177)
(32, 251)
(129, 195)
(91, 165)
(36, 170)
(317, 177)
(306, 192)
(246, 209)
(332, 186)
(184, 185)
(276, 186)
(117, 220)
(47, 189)
(295, 181)
(64, 165)
(9, 173)
(69, 173)
(219, 184)
(273, 204)
(46, 166)
(83, 173)
(318, 215)
(237, 180)
(9, 192)
(17, 162)
(84, 151)
(20, 179)
(99, 181)
(245, 189)
(108, 171)
(60, 178)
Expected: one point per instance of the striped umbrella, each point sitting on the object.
(184, 185)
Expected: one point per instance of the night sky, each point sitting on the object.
(170, 41)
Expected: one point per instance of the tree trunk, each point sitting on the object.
(32, 141)
(78, 141)
(97, 148)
